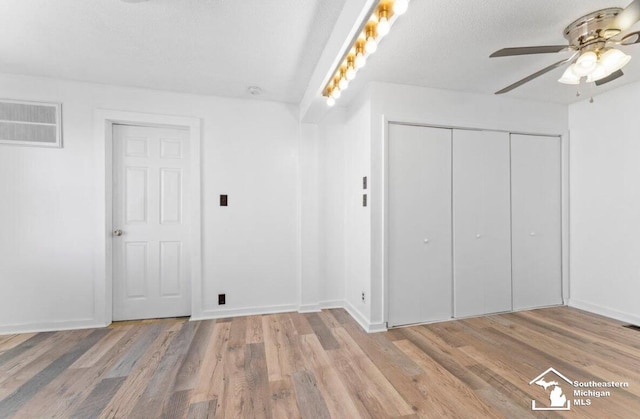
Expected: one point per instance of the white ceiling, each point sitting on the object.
(217, 47)
(221, 47)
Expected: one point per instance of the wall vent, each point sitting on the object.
(30, 123)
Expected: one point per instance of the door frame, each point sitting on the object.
(385, 120)
(104, 119)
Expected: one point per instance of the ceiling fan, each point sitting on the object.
(592, 41)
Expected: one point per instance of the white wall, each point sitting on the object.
(445, 108)
(605, 204)
(331, 201)
(48, 208)
(357, 156)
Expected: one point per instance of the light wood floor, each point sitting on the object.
(317, 366)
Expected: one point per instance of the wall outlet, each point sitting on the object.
(363, 296)
(222, 299)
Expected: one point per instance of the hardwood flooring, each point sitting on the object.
(320, 365)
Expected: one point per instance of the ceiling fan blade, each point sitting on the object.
(627, 17)
(546, 49)
(535, 75)
(610, 77)
(630, 39)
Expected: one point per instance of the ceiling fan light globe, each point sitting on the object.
(585, 64)
(614, 59)
(569, 77)
(600, 72)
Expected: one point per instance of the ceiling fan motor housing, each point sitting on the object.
(590, 32)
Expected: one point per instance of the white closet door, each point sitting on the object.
(481, 214)
(536, 197)
(419, 230)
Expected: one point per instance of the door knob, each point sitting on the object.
(117, 233)
(478, 236)
(426, 240)
(533, 233)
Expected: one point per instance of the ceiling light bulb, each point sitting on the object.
(336, 93)
(400, 6)
(331, 101)
(585, 64)
(383, 27)
(569, 76)
(350, 74)
(371, 46)
(614, 60)
(360, 60)
(343, 84)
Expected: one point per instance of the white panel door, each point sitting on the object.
(150, 207)
(481, 214)
(536, 197)
(419, 224)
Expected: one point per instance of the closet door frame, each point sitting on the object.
(391, 119)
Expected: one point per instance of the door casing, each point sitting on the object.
(103, 279)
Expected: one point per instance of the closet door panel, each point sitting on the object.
(481, 222)
(536, 221)
(419, 224)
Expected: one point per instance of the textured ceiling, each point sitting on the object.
(446, 44)
(217, 47)
(221, 47)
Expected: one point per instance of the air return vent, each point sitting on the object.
(30, 123)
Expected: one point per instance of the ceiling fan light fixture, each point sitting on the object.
(613, 60)
(569, 77)
(600, 72)
(585, 64)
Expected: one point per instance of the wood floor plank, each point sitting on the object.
(210, 382)
(318, 365)
(94, 354)
(254, 330)
(177, 405)
(203, 410)
(23, 345)
(283, 399)
(63, 395)
(152, 402)
(187, 375)
(310, 401)
(140, 371)
(323, 332)
(301, 324)
(370, 380)
(11, 404)
(98, 399)
(235, 394)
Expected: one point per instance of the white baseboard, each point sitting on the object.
(309, 308)
(332, 304)
(50, 326)
(604, 311)
(248, 311)
(362, 320)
